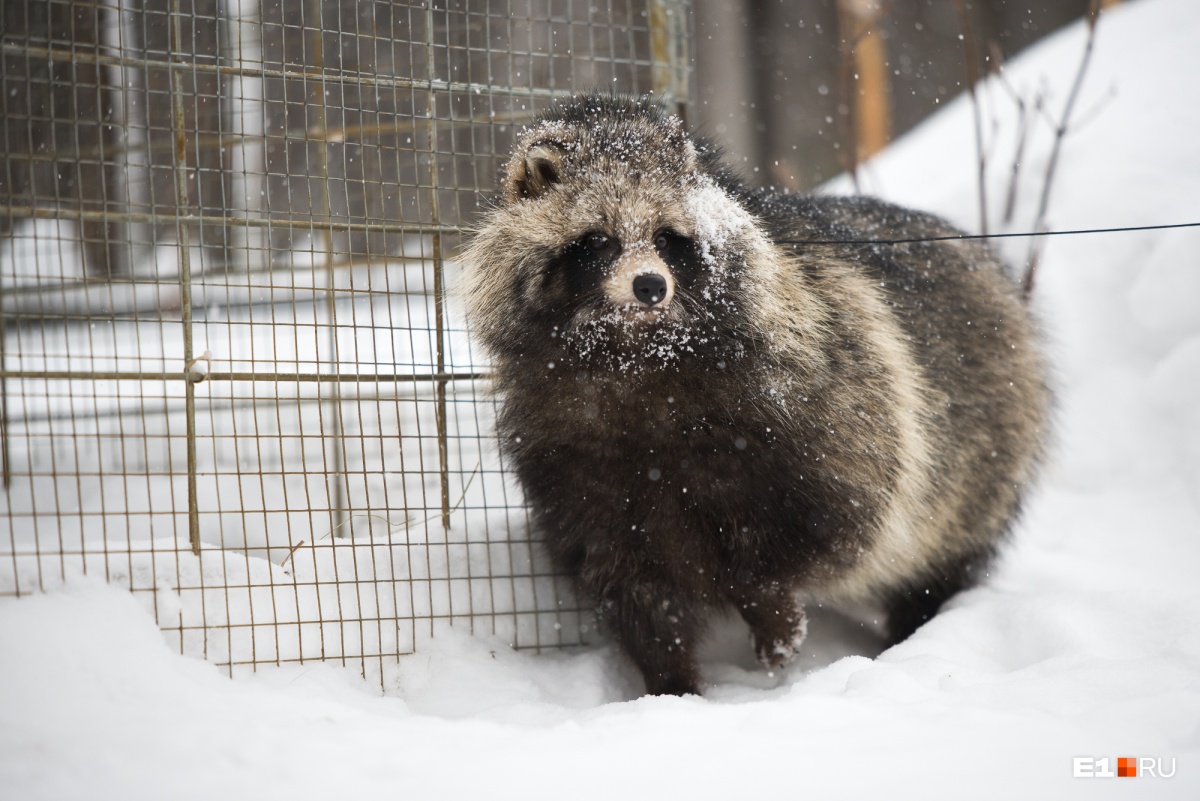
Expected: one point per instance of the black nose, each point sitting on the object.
(650, 288)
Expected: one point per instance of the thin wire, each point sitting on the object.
(984, 236)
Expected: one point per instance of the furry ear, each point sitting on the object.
(682, 144)
(541, 168)
(691, 159)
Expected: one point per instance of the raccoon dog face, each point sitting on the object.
(617, 242)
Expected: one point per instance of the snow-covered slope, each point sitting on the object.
(1085, 642)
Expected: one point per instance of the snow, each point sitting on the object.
(1085, 640)
(718, 220)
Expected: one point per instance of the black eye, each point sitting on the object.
(598, 243)
(661, 241)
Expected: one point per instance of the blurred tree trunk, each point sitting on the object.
(864, 85)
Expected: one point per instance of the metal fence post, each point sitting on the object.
(182, 203)
(438, 284)
(338, 502)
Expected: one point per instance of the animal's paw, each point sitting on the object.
(781, 645)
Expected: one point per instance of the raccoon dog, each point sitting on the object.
(705, 411)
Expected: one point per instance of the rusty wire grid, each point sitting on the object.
(233, 375)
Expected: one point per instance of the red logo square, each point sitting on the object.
(1127, 766)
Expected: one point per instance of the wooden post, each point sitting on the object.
(870, 89)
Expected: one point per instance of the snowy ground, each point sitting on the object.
(1085, 642)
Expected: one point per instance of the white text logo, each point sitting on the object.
(1123, 767)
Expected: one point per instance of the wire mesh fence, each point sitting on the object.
(233, 375)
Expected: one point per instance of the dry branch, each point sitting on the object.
(972, 64)
(1060, 132)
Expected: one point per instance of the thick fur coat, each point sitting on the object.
(709, 405)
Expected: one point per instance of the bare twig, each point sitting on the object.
(405, 524)
(1060, 132)
(1086, 117)
(972, 64)
(996, 68)
(1025, 121)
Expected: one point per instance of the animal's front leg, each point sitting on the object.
(660, 631)
(776, 620)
